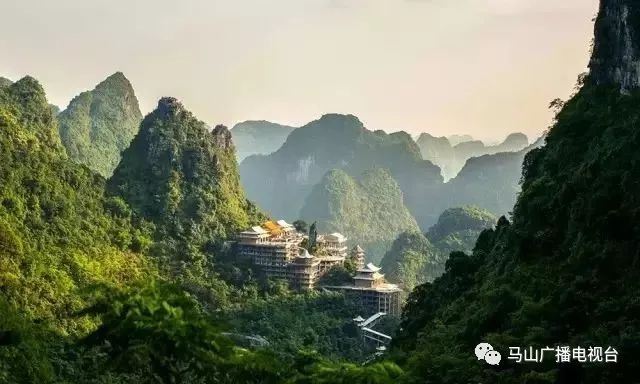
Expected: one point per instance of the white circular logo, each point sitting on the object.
(484, 351)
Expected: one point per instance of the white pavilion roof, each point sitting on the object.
(284, 224)
(369, 268)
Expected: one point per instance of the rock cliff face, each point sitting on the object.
(616, 51)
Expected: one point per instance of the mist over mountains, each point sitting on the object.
(281, 182)
(258, 137)
(451, 157)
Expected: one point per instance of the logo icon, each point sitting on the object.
(484, 351)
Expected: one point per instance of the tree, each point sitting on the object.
(313, 237)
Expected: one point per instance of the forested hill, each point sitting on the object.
(184, 179)
(369, 209)
(415, 258)
(99, 124)
(566, 270)
(4, 82)
(59, 234)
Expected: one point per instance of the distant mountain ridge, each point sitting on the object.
(258, 137)
(451, 157)
(281, 181)
(489, 181)
(99, 124)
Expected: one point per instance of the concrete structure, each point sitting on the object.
(275, 248)
(357, 256)
(373, 292)
(271, 246)
(335, 244)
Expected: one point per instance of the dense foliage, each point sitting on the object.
(99, 124)
(369, 210)
(183, 178)
(412, 260)
(565, 272)
(258, 137)
(316, 322)
(4, 82)
(59, 234)
(458, 229)
(80, 302)
(415, 258)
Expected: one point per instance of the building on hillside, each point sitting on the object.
(275, 248)
(372, 291)
(272, 246)
(304, 271)
(357, 256)
(334, 244)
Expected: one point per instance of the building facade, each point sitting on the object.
(370, 289)
(275, 248)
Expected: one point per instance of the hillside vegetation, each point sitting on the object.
(416, 258)
(369, 210)
(565, 270)
(99, 124)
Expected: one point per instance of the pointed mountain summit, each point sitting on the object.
(99, 124)
(57, 232)
(183, 177)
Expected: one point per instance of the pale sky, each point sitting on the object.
(483, 67)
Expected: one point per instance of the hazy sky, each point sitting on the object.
(484, 67)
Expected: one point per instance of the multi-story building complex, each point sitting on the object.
(357, 256)
(272, 246)
(275, 247)
(372, 291)
(334, 244)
